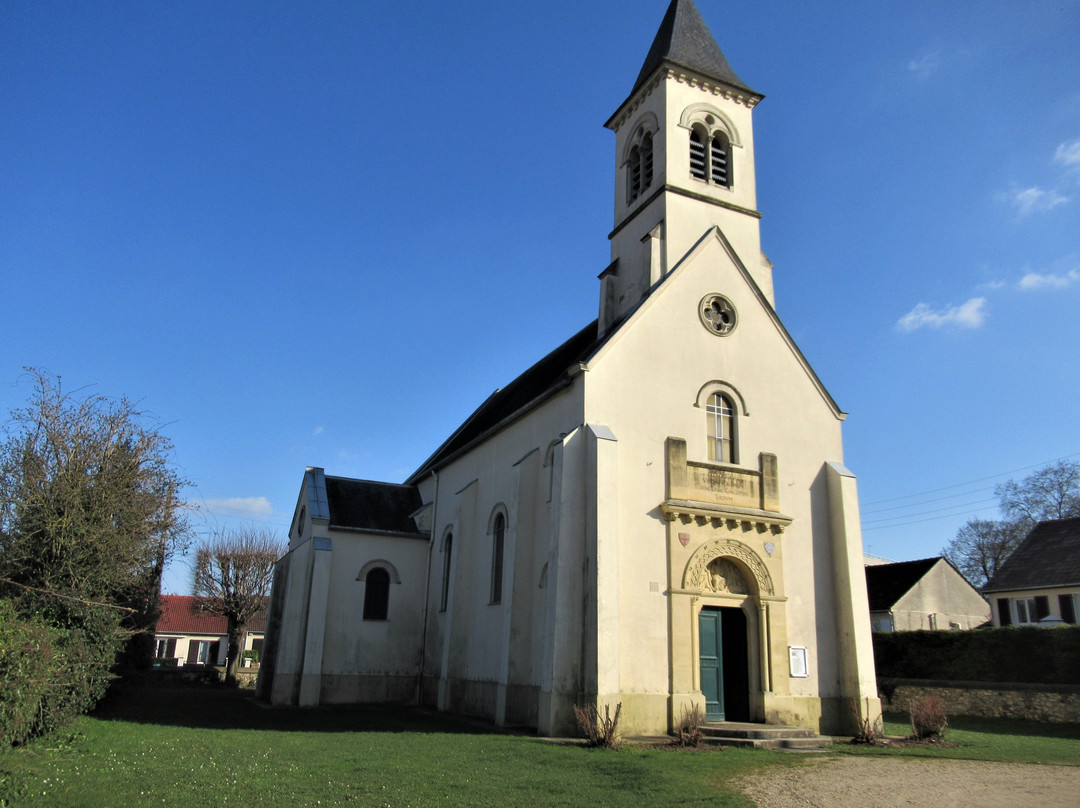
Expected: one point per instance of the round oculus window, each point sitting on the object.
(717, 314)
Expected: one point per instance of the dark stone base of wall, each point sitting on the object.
(1058, 704)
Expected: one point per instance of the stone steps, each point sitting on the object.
(762, 736)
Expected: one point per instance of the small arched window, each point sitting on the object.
(498, 540)
(377, 594)
(721, 429)
(448, 549)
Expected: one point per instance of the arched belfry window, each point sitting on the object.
(639, 163)
(720, 415)
(710, 156)
(377, 594)
(712, 136)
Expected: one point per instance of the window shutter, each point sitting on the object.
(719, 159)
(1042, 607)
(1067, 607)
(1004, 616)
(646, 158)
(697, 156)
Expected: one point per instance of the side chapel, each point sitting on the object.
(656, 513)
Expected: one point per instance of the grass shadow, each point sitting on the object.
(219, 707)
(1002, 726)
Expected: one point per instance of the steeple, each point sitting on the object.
(684, 164)
(685, 41)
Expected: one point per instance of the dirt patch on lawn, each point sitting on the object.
(873, 782)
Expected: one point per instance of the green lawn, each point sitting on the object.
(215, 747)
(211, 747)
(987, 739)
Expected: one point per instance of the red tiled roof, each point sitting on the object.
(181, 614)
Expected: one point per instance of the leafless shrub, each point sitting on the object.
(688, 730)
(869, 729)
(602, 731)
(928, 719)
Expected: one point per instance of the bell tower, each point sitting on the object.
(684, 163)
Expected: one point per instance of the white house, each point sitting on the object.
(655, 514)
(926, 594)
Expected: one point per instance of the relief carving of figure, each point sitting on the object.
(723, 576)
(723, 566)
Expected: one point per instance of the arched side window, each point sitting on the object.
(498, 541)
(720, 415)
(639, 163)
(377, 594)
(448, 550)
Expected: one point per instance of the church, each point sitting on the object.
(656, 514)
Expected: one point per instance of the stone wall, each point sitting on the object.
(1051, 703)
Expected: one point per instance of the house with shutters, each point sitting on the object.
(187, 634)
(655, 514)
(1040, 582)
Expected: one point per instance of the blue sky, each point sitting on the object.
(322, 233)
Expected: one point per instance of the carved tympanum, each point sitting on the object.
(712, 569)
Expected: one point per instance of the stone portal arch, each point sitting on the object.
(726, 565)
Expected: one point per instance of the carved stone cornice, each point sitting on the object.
(743, 97)
(729, 516)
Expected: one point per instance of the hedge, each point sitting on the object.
(1014, 654)
(50, 674)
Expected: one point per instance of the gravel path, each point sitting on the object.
(871, 782)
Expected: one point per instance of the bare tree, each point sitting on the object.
(1049, 493)
(982, 545)
(232, 575)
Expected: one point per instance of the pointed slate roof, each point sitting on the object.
(685, 40)
(887, 583)
(1048, 557)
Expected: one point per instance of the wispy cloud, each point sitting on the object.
(239, 506)
(1068, 154)
(926, 64)
(1039, 200)
(1034, 200)
(318, 431)
(971, 314)
(1034, 281)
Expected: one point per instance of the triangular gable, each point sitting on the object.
(714, 233)
(886, 584)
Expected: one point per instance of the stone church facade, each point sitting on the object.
(654, 514)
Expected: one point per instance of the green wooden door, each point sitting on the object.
(710, 637)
